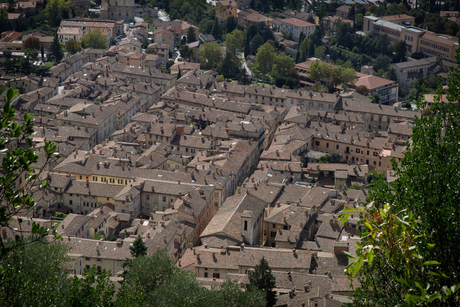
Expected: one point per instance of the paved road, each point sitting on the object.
(245, 65)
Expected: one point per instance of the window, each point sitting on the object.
(368, 152)
(215, 275)
(327, 145)
(317, 143)
(245, 225)
(273, 234)
(375, 154)
(87, 258)
(357, 150)
(347, 149)
(380, 163)
(205, 274)
(87, 268)
(70, 202)
(336, 146)
(119, 263)
(285, 227)
(99, 270)
(99, 259)
(94, 178)
(164, 198)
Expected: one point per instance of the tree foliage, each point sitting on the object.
(409, 252)
(57, 10)
(334, 76)
(16, 168)
(55, 50)
(73, 46)
(31, 43)
(216, 30)
(95, 39)
(24, 281)
(234, 42)
(263, 279)
(265, 58)
(191, 36)
(186, 52)
(211, 55)
(229, 68)
(282, 64)
(363, 90)
(138, 248)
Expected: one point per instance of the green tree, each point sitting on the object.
(186, 52)
(94, 39)
(211, 55)
(229, 68)
(150, 272)
(56, 10)
(230, 294)
(383, 44)
(319, 71)
(191, 36)
(55, 50)
(342, 76)
(263, 279)
(320, 52)
(168, 64)
(391, 74)
(72, 46)
(18, 176)
(24, 280)
(256, 42)
(216, 30)
(359, 20)
(265, 58)
(138, 248)
(324, 159)
(94, 289)
(336, 157)
(282, 64)
(234, 42)
(375, 98)
(31, 43)
(399, 49)
(244, 77)
(363, 90)
(179, 74)
(230, 24)
(355, 186)
(42, 52)
(4, 21)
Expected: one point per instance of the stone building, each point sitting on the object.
(118, 9)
